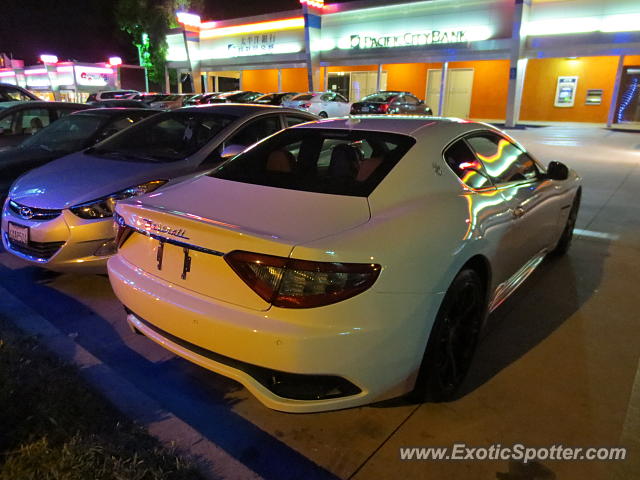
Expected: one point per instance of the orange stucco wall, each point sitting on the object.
(294, 80)
(490, 84)
(540, 88)
(632, 60)
(265, 81)
(408, 77)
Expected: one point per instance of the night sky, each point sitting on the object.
(86, 30)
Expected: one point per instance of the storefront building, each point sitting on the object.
(503, 60)
(73, 81)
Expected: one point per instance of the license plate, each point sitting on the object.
(18, 234)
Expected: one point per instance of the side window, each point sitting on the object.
(31, 120)
(503, 161)
(256, 130)
(466, 166)
(340, 98)
(327, 97)
(15, 94)
(63, 112)
(411, 100)
(291, 120)
(5, 124)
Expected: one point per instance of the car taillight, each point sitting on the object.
(290, 283)
(306, 105)
(383, 108)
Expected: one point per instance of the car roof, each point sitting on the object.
(113, 111)
(33, 103)
(403, 124)
(235, 108)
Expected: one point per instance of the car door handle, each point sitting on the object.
(518, 212)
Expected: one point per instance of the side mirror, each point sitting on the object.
(557, 171)
(232, 150)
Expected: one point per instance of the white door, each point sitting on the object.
(365, 83)
(457, 102)
(432, 96)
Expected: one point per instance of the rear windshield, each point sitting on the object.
(341, 162)
(303, 96)
(380, 97)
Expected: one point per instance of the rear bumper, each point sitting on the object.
(373, 341)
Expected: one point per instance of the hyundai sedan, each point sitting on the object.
(59, 215)
(69, 134)
(342, 262)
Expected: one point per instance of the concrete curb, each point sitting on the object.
(169, 429)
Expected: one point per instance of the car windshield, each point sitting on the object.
(165, 137)
(68, 134)
(380, 97)
(341, 162)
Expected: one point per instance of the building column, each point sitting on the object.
(379, 77)
(611, 118)
(167, 80)
(312, 23)
(279, 79)
(443, 88)
(517, 66)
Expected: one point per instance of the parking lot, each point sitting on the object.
(557, 363)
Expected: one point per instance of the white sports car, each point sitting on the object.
(342, 262)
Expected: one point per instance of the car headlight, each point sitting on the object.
(104, 207)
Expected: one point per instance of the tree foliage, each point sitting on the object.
(153, 18)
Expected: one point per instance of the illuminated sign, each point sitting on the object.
(408, 39)
(430, 37)
(93, 76)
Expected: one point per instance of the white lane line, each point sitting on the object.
(593, 234)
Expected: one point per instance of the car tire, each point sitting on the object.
(323, 115)
(562, 247)
(453, 339)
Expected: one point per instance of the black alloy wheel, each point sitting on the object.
(453, 339)
(567, 234)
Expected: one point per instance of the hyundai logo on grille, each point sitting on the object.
(157, 227)
(26, 212)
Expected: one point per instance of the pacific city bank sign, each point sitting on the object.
(432, 37)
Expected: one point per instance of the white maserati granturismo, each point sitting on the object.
(344, 261)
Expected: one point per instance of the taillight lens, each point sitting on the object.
(290, 283)
(383, 108)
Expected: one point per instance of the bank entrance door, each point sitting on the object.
(457, 101)
(355, 85)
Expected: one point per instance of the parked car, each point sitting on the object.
(19, 120)
(275, 98)
(112, 95)
(13, 93)
(148, 98)
(171, 102)
(339, 263)
(323, 104)
(389, 102)
(120, 103)
(59, 215)
(69, 134)
(238, 96)
(202, 98)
